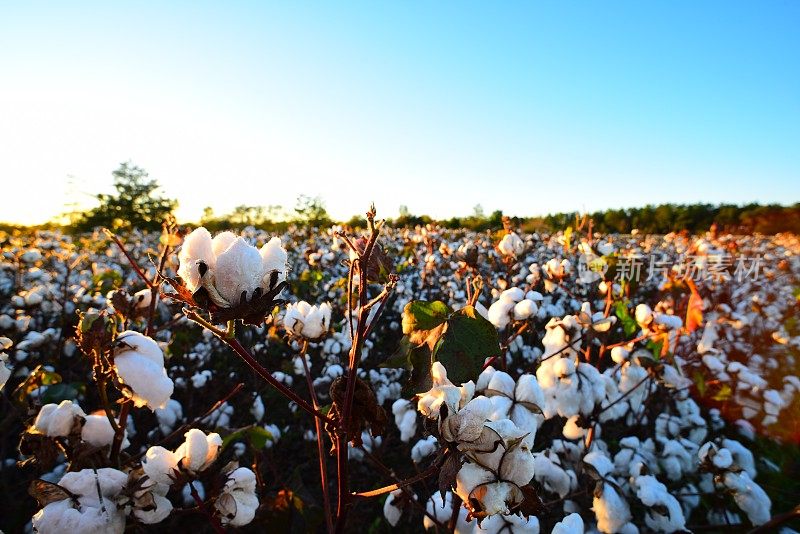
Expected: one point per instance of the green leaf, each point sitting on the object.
(60, 392)
(423, 315)
(257, 436)
(467, 341)
(655, 348)
(629, 324)
(39, 377)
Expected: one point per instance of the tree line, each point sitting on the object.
(138, 205)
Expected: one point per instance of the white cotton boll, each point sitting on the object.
(139, 365)
(142, 299)
(551, 475)
(655, 496)
(199, 450)
(160, 465)
(239, 271)
(741, 455)
(57, 420)
(499, 313)
(162, 507)
(469, 477)
(442, 511)
(512, 524)
(405, 417)
(274, 258)
(525, 309)
(169, 415)
(611, 510)
(643, 314)
(196, 247)
(391, 511)
(237, 503)
(424, 448)
(310, 322)
(257, 409)
(97, 431)
(671, 322)
(511, 245)
(749, 496)
(572, 524)
(91, 515)
(605, 248)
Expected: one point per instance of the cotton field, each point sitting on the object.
(384, 379)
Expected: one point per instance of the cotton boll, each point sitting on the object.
(571, 524)
(424, 448)
(309, 322)
(160, 465)
(511, 245)
(610, 509)
(139, 365)
(97, 431)
(238, 502)
(643, 314)
(169, 416)
(91, 515)
(525, 309)
(57, 420)
(391, 511)
(749, 497)
(239, 271)
(405, 417)
(664, 512)
(198, 451)
(442, 510)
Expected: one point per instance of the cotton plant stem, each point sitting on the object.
(323, 464)
(342, 439)
(133, 262)
(119, 432)
(204, 509)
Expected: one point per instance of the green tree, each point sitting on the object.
(134, 206)
(311, 211)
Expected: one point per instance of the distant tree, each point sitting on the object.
(134, 206)
(311, 210)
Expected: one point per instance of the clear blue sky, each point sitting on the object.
(528, 107)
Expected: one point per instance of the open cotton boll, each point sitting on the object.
(508, 524)
(238, 502)
(57, 420)
(664, 513)
(139, 365)
(643, 314)
(239, 271)
(442, 510)
(196, 248)
(749, 497)
(91, 515)
(198, 451)
(97, 431)
(571, 524)
(525, 309)
(304, 320)
(511, 245)
(160, 465)
(610, 509)
(405, 417)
